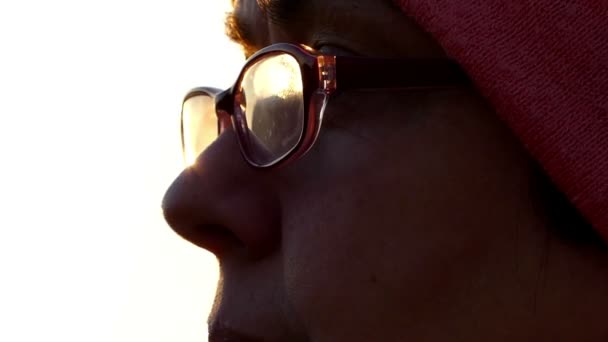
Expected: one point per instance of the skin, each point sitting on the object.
(416, 216)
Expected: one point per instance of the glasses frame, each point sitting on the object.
(323, 76)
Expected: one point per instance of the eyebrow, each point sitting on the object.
(280, 12)
(277, 11)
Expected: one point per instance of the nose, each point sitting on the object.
(223, 205)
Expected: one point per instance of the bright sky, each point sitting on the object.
(90, 94)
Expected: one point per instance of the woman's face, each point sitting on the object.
(410, 219)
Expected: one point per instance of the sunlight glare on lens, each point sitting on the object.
(278, 76)
(199, 125)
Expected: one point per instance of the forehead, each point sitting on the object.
(277, 11)
(358, 25)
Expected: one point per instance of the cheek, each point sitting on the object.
(361, 245)
(383, 222)
(358, 260)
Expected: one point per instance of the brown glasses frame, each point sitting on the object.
(322, 76)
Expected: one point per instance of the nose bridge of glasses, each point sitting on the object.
(224, 107)
(224, 101)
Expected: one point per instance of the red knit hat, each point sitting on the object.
(543, 64)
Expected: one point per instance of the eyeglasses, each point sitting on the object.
(276, 105)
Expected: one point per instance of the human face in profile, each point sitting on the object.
(391, 228)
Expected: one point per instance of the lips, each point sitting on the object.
(221, 333)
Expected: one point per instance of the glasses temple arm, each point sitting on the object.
(368, 73)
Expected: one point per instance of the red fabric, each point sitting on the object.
(543, 64)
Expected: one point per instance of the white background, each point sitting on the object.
(90, 94)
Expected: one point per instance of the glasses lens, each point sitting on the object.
(199, 125)
(271, 101)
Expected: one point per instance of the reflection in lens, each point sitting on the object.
(199, 125)
(275, 107)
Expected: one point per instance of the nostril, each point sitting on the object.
(217, 239)
(214, 238)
